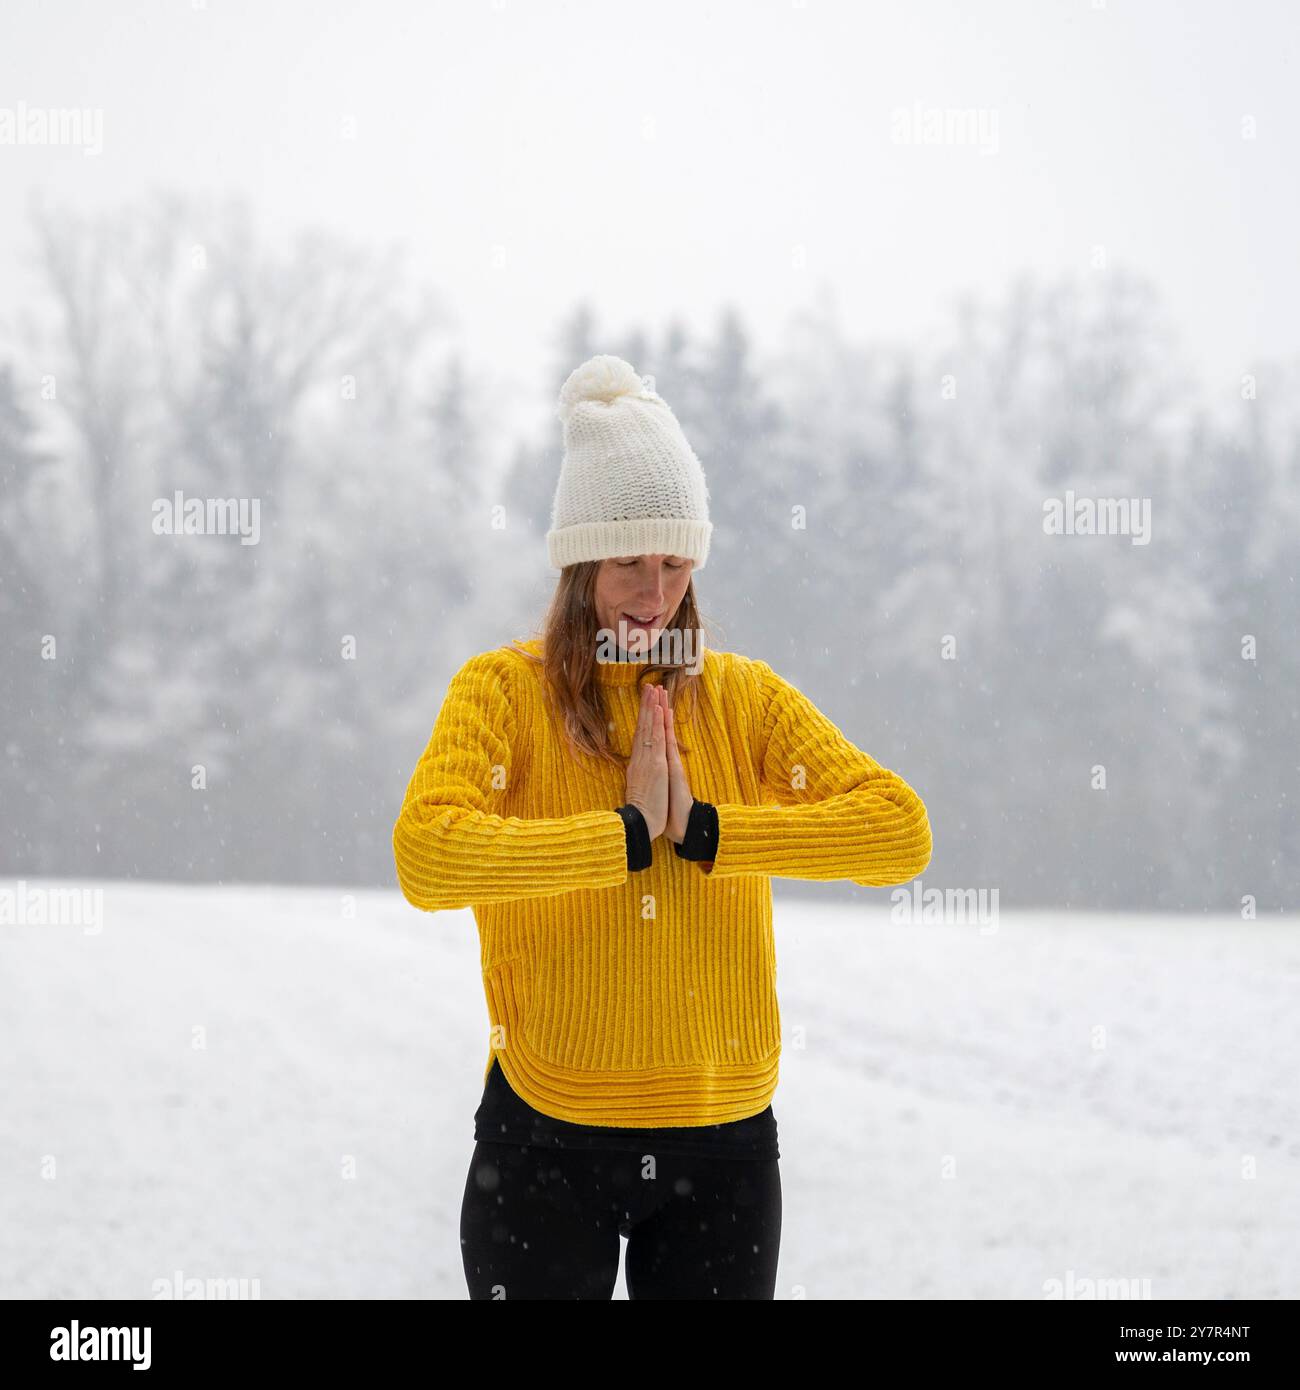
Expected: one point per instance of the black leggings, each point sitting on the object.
(545, 1223)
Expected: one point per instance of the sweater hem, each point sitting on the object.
(687, 1096)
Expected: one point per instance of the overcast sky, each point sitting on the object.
(668, 158)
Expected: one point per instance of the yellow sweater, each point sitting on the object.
(640, 998)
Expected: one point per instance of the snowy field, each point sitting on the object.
(953, 1123)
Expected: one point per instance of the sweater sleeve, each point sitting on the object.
(838, 813)
(450, 847)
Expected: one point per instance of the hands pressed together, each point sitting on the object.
(656, 780)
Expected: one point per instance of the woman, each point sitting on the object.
(631, 986)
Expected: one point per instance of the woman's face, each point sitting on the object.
(635, 587)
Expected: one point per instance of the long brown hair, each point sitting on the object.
(568, 637)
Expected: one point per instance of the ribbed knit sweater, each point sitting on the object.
(648, 998)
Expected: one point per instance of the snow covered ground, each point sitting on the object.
(953, 1124)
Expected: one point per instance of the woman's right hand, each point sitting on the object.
(647, 768)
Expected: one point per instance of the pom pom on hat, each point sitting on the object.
(602, 379)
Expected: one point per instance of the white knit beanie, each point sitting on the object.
(630, 484)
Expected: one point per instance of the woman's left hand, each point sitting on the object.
(680, 799)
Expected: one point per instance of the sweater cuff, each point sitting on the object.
(637, 834)
(700, 841)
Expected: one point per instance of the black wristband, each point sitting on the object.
(637, 835)
(701, 838)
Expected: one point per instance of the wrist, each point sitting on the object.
(636, 837)
(675, 830)
(700, 839)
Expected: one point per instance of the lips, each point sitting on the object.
(641, 622)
